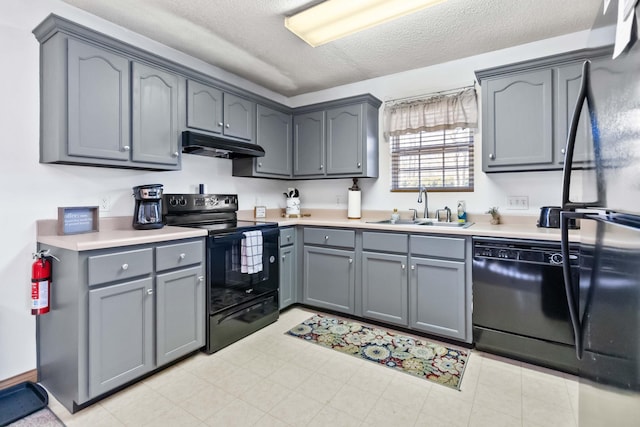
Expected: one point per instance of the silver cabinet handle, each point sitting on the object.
(283, 257)
(182, 256)
(288, 237)
(220, 124)
(326, 237)
(259, 164)
(176, 154)
(126, 148)
(404, 266)
(350, 260)
(149, 291)
(200, 278)
(227, 126)
(492, 156)
(359, 164)
(413, 267)
(321, 166)
(562, 151)
(125, 266)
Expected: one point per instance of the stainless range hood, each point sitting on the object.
(208, 145)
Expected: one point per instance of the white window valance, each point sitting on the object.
(433, 113)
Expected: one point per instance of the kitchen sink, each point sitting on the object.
(424, 222)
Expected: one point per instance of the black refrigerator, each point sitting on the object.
(601, 188)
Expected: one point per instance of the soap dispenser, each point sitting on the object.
(395, 216)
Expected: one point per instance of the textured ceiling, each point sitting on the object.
(248, 37)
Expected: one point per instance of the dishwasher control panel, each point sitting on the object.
(533, 252)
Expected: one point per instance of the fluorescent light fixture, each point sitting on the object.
(333, 19)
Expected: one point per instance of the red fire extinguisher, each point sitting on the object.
(40, 282)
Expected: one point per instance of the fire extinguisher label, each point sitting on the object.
(40, 294)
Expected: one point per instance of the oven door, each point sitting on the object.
(228, 286)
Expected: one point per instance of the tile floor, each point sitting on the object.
(271, 379)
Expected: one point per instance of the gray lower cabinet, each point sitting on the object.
(179, 313)
(120, 334)
(288, 267)
(273, 133)
(329, 278)
(154, 116)
(336, 139)
(384, 287)
(437, 291)
(117, 314)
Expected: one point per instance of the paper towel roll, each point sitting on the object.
(355, 198)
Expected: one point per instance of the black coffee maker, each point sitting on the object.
(148, 211)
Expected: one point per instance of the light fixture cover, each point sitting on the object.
(333, 19)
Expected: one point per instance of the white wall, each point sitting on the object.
(32, 191)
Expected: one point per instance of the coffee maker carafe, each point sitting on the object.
(148, 211)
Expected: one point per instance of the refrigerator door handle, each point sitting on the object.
(572, 298)
(583, 95)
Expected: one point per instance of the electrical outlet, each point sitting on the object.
(338, 199)
(518, 202)
(105, 203)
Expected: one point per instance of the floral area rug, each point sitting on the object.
(421, 358)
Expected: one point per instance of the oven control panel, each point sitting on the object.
(185, 203)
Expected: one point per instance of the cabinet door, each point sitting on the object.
(385, 287)
(329, 278)
(204, 107)
(120, 334)
(154, 116)
(287, 276)
(437, 294)
(98, 102)
(239, 115)
(344, 140)
(180, 316)
(274, 135)
(517, 124)
(308, 144)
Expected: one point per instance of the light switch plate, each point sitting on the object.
(518, 202)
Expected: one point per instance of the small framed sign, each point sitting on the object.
(260, 211)
(76, 220)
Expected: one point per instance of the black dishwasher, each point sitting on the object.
(519, 302)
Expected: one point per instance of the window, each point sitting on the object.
(440, 160)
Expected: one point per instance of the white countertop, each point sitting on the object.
(512, 226)
(114, 232)
(117, 231)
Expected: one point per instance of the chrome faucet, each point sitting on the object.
(426, 204)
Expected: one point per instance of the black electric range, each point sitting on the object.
(239, 301)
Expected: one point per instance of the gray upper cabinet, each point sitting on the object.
(344, 140)
(527, 109)
(336, 139)
(155, 136)
(100, 108)
(212, 110)
(517, 121)
(273, 133)
(204, 107)
(98, 94)
(309, 144)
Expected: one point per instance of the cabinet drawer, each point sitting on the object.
(386, 242)
(441, 247)
(287, 236)
(119, 266)
(330, 237)
(178, 255)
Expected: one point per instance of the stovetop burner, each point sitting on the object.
(213, 212)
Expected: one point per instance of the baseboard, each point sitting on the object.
(31, 375)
